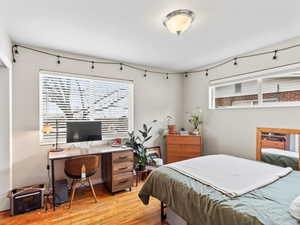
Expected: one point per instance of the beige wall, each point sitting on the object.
(232, 131)
(5, 120)
(5, 167)
(154, 98)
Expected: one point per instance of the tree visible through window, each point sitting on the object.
(66, 98)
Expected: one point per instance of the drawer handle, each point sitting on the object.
(123, 157)
(123, 181)
(123, 168)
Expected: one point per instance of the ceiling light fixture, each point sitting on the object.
(179, 21)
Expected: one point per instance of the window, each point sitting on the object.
(227, 95)
(283, 90)
(269, 91)
(72, 98)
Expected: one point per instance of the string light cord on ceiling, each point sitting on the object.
(257, 71)
(15, 51)
(235, 59)
(206, 70)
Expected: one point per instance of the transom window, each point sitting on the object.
(73, 98)
(277, 90)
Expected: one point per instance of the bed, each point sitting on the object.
(201, 204)
(280, 157)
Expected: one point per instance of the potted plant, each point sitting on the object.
(138, 145)
(195, 119)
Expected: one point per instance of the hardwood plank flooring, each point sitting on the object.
(123, 208)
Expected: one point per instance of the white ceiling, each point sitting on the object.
(132, 30)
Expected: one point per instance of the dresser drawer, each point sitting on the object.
(190, 140)
(182, 156)
(181, 147)
(122, 156)
(122, 167)
(184, 149)
(122, 181)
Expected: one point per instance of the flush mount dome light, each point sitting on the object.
(179, 21)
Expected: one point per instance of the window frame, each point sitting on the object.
(259, 78)
(85, 77)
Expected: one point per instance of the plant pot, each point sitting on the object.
(196, 132)
(140, 167)
(172, 129)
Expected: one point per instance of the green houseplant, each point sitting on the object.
(138, 144)
(195, 119)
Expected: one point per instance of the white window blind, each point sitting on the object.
(70, 98)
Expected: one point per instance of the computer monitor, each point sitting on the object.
(84, 131)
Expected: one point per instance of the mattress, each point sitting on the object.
(200, 204)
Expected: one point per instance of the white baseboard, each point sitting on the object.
(4, 203)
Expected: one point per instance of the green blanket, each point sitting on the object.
(199, 204)
(280, 160)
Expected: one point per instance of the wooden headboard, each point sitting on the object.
(273, 138)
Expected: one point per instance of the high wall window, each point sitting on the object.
(73, 98)
(277, 90)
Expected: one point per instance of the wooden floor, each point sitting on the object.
(123, 208)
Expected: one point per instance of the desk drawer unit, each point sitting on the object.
(122, 181)
(122, 167)
(117, 170)
(122, 156)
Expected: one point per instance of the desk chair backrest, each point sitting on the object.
(73, 169)
(73, 166)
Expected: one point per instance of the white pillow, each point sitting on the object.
(295, 208)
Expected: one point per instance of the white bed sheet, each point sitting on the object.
(230, 175)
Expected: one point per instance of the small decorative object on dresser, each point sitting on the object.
(171, 125)
(182, 147)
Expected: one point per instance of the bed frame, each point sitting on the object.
(280, 143)
(172, 217)
(163, 214)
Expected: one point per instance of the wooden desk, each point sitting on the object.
(117, 165)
